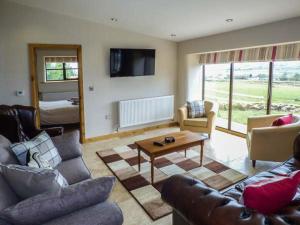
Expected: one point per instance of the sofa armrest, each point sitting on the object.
(202, 205)
(68, 145)
(260, 121)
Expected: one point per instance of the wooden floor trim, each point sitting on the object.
(127, 133)
(231, 132)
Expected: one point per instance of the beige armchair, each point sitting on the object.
(269, 143)
(204, 124)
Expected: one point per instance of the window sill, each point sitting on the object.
(59, 81)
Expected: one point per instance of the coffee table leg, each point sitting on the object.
(201, 152)
(139, 159)
(152, 170)
(185, 153)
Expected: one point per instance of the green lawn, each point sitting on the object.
(246, 91)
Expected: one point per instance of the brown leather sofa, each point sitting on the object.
(19, 122)
(196, 204)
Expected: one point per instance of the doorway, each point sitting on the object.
(57, 86)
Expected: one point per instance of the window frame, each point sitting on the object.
(64, 70)
(269, 93)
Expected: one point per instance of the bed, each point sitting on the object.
(58, 112)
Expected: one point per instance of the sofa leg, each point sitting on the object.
(253, 163)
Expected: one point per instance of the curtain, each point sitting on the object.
(60, 59)
(271, 53)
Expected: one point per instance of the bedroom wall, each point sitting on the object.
(57, 86)
(273, 33)
(20, 25)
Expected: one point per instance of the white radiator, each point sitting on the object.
(145, 110)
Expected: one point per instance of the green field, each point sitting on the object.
(249, 92)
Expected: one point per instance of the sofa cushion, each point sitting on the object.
(68, 145)
(74, 170)
(44, 207)
(6, 156)
(272, 194)
(196, 122)
(43, 144)
(28, 181)
(106, 213)
(195, 109)
(7, 195)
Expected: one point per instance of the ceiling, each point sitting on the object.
(186, 18)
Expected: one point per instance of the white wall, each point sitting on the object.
(20, 25)
(273, 33)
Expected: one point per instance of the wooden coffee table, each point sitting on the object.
(183, 141)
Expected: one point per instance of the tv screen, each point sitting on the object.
(132, 62)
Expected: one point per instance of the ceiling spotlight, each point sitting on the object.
(229, 20)
(173, 35)
(113, 19)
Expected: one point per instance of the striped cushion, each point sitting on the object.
(42, 144)
(195, 109)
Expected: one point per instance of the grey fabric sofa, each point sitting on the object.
(74, 170)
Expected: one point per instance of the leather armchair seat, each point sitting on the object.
(196, 204)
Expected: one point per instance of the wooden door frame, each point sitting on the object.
(34, 81)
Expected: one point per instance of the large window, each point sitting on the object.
(61, 71)
(250, 93)
(217, 77)
(252, 89)
(286, 87)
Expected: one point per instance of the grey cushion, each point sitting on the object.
(7, 195)
(4, 141)
(44, 207)
(68, 145)
(106, 213)
(6, 156)
(74, 170)
(43, 144)
(28, 181)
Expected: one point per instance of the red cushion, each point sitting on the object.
(283, 120)
(270, 195)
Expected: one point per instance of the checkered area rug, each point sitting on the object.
(123, 160)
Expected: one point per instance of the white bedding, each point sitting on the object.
(58, 112)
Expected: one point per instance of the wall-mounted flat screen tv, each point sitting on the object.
(132, 62)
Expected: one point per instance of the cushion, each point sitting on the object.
(28, 181)
(44, 207)
(105, 213)
(43, 144)
(270, 195)
(66, 168)
(283, 120)
(195, 109)
(196, 122)
(7, 195)
(68, 145)
(6, 156)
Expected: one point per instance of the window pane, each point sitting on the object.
(54, 75)
(72, 73)
(250, 91)
(54, 65)
(286, 87)
(217, 81)
(73, 65)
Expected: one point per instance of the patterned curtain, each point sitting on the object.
(270, 53)
(60, 59)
